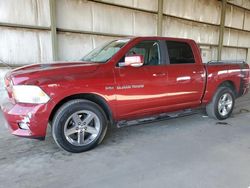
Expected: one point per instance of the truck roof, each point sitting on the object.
(159, 38)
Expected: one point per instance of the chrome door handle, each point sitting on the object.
(197, 72)
(159, 74)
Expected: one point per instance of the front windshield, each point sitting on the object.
(105, 52)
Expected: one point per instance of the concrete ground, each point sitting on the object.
(189, 152)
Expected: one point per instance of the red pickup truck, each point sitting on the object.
(123, 82)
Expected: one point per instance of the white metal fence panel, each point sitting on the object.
(74, 15)
(242, 3)
(97, 17)
(234, 54)
(201, 33)
(128, 3)
(146, 4)
(199, 10)
(24, 46)
(151, 5)
(145, 24)
(110, 19)
(74, 46)
(236, 38)
(27, 12)
(234, 17)
(244, 39)
(247, 20)
(231, 37)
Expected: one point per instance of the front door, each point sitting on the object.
(140, 91)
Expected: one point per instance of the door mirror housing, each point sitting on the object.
(133, 61)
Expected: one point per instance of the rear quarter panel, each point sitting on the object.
(217, 75)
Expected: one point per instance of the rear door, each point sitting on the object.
(186, 76)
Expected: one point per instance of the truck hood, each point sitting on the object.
(40, 73)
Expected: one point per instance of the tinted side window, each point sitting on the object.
(179, 53)
(149, 50)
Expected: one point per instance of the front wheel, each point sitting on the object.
(221, 107)
(79, 125)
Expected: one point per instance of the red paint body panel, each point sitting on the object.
(15, 113)
(129, 92)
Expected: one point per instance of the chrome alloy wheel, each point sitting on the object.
(225, 104)
(82, 128)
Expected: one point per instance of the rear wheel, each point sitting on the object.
(221, 107)
(79, 125)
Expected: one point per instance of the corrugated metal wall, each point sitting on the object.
(23, 46)
(25, 26)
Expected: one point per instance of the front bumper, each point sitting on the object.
(26, 120)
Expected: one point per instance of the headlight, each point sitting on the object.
(29, 94)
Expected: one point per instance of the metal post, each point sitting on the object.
(248, 56)
(222, 27)
(159, 17)
(53, 29)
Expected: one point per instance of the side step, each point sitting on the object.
(160, 117)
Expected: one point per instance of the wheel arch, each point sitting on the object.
(230, 84)
(87, 96)
(212, 88)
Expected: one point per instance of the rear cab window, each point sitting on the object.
(179, 52)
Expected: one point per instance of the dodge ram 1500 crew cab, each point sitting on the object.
(122, 82)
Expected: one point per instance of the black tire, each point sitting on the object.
(64, 117)
(212, 108)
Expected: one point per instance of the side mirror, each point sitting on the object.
(133, 61)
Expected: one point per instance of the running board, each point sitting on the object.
(160, 117)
